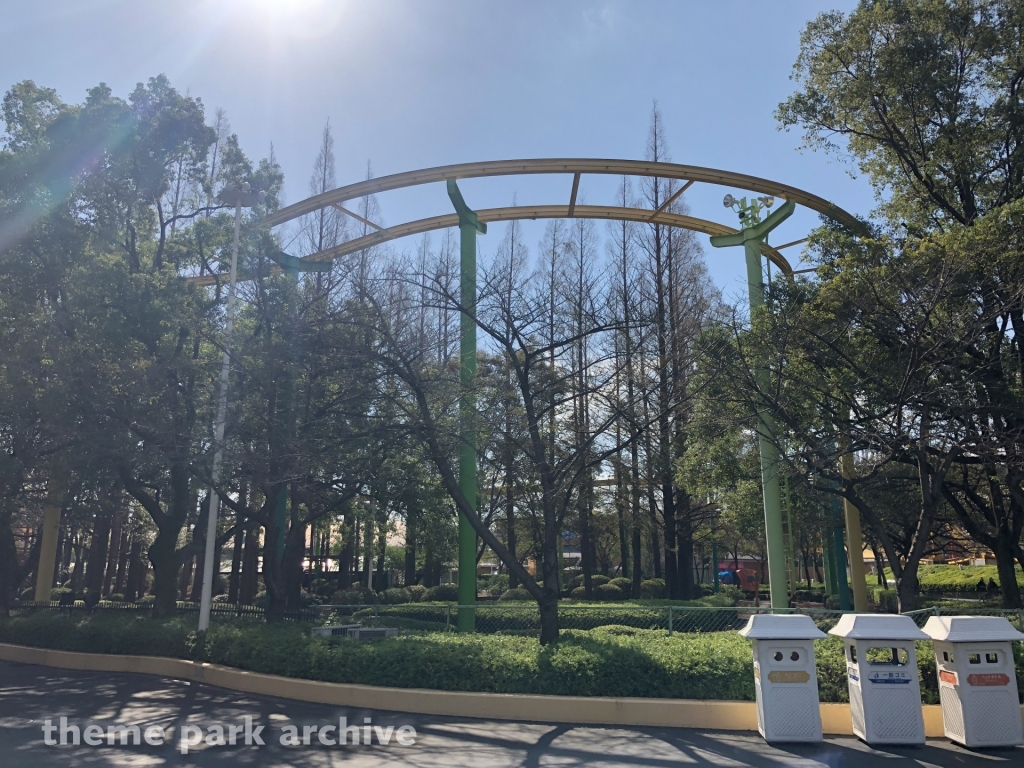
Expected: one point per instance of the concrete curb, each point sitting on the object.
(581, 710)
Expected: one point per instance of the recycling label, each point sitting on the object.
(992, 678)
(890, 678)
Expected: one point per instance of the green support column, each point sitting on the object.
(839, 555)
(751, 239)
(828, 571)
(469, 225)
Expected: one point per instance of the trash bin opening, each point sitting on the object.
(974, 658)
(853, 653)
(887, 657)
(787, 654)
(947, 656)
(991, 658)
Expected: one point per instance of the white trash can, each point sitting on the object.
(881, 668)
(977, 681)
(785, 677)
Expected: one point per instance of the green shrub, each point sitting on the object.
(809, 595)
(579, 593)
(608, 592)
(883, 600)
(497, 584)
(357, 595)
(652, 589)
(598, 580)
(395, 595)
(613, 660)
(442, 593)
(28, 593)
(622, 583)
(323, 588)
(519, 593)
(416, 592)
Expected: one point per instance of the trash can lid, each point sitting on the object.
(971, 629)
(877, 626)
(780, 626)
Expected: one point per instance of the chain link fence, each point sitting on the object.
(920, 617)
(524, 618)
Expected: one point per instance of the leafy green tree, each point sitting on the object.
(925, 96)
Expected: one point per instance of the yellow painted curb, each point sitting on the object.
(582, 710)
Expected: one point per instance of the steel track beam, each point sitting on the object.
(563, 165)
(488, 215)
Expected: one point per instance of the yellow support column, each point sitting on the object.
(56, 488)
(855, 541)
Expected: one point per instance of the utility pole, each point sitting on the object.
(469, 225)
(751, 237)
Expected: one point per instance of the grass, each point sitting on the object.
(956, 578)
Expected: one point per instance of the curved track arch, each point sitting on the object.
(688, 174)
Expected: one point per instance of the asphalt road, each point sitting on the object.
(170, 709)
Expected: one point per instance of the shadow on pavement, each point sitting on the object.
(29, 695)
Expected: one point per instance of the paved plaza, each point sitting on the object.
(29, 695)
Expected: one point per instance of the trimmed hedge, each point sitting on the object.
(448, 593)
(610, 661)
(955, 578)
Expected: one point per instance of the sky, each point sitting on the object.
(409, 84)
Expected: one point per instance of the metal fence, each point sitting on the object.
(524, 618)
(920, 617)
(311, 614)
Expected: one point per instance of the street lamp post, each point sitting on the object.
(239, 197)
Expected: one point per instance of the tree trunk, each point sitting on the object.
(548, 602)
(114, 551)
(906, 590)
(585, 561)
(8, 566)
(510, 517)
(410, 547)
(78, 571)
(199, 538)
(62, 540)
(1006, 566)
(234, 582)
(98, 553)
(164, 559)
(634, 493)
(684, 546)
(122, 560)
(133, 585)
(249, 583)
(620, 511)
(345, 557)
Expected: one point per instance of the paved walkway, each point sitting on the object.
(30, 694)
